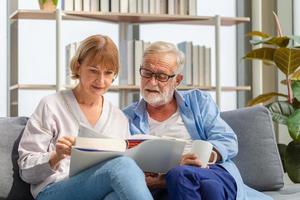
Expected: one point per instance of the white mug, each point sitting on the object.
(203, 150)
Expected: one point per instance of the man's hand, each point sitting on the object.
(63, 149)
(155, 181)
(190, 159)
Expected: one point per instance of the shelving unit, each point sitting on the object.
(124, 20)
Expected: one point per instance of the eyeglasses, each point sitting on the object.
(145, 73)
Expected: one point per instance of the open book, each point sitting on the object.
(157, 155)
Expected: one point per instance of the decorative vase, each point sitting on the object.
(48, 5)
(292, 161)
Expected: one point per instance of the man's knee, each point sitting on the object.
(178, 174)
(211, 186)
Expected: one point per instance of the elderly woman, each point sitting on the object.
(45, 147)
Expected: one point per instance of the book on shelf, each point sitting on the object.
(145, 9)
(115, 6)
(138, 58)
(152, 7)
(78, 5)
(163, 7)
(104, 5)
(195, 65)
(207, 67)
(183, 7)
(86, 5)
(132, 7)
(201, 65)
(95, 5)
(192, 7)
(171, 7)
(187, 48)
(140, 6)
(68, 5)
(124, 6)
(152, 154)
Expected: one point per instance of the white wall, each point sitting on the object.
(37, 57)
(3, 59)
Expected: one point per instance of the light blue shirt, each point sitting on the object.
(201, 117)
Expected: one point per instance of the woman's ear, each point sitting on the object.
(78, 68)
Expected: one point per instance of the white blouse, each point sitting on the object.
(58, 115)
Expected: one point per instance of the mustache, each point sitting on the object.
(152, 88)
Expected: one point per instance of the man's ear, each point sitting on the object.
(179, 78)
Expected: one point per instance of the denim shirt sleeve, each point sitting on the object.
(216, 130)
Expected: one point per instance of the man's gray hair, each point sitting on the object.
(166, 47)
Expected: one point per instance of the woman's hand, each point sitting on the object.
(155, 181)
(190, 159)
(63, 149)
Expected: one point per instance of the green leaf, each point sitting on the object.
(293, 124)
(258, 33)
(264, 97)
(287, 59)
(42, 1)
(296, 89)
(279, 41)
(55, 2)
(280, 111)
(296, 75)
(264, 53)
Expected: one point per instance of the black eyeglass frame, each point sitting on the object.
(156, 75)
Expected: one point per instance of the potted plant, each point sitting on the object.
(279, 52)
(49, 5)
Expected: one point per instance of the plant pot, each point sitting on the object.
(282, 149)
(292, 161)
(48, 5)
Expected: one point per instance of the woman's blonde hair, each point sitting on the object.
(98, 50)
(166, 47)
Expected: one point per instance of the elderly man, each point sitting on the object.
(190, 115)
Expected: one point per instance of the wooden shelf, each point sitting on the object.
(127, 17)
(127, 87)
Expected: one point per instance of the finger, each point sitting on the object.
(194, 162)
(71, 139)
(189, 156)
(63, 149)
(64, 141)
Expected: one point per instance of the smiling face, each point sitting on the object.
(156, 92)
(95, 79)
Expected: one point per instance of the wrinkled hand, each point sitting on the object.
(63, 149)
(190, 159)
(155, 181)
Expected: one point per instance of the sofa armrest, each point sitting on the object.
(258, 159)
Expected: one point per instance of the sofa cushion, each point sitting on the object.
(11, 186)
(258, 159)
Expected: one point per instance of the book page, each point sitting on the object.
(81, 160)
(100, 144)
(156, 155)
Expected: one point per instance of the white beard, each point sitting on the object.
(158, 99)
